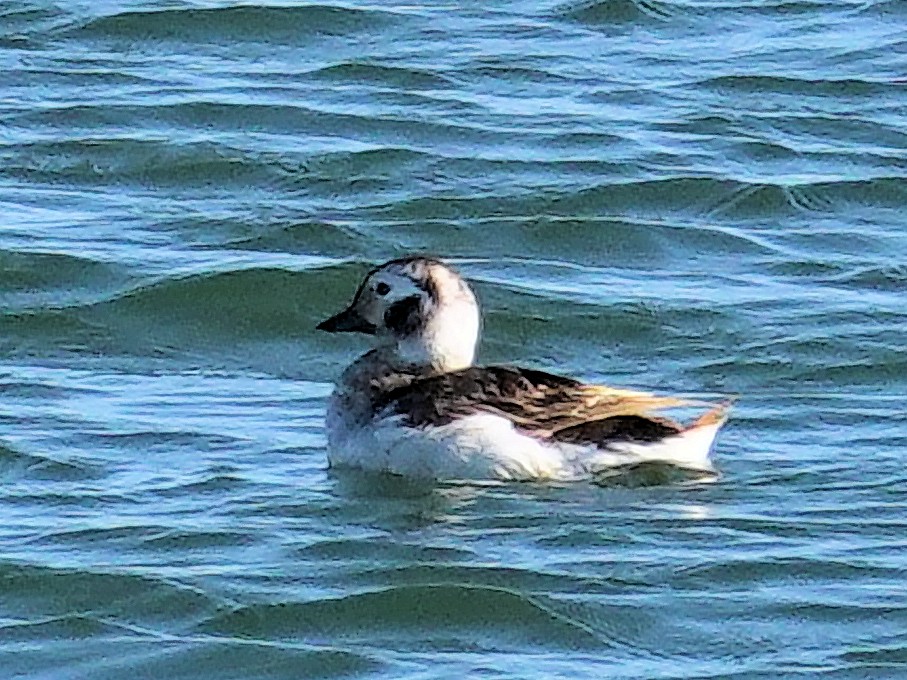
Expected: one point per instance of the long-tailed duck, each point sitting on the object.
(416, 405)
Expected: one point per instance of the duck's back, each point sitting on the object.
(505, 423)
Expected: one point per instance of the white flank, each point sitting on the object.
(480, 446)
(486, 446)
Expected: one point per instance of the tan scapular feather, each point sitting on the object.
(547, 410)
(539, 402)
(630, 402)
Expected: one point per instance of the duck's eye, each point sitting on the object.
(382, 289)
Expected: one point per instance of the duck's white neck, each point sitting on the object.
(447, 342)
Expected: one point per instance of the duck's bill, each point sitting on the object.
(347, 321)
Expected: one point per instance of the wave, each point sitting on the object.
(819, 87)
(281, 25)
(730, 574)
(499, 69)
(145, 163)
(292, 236)
(24, 28)
(252, 302)
(47, 630)
(83, 643)
(175, 315)
(492, 617)
(383, 75)
(889, 278)
(601, 13)
(883, 656)
(37, 279)
(242, 117)
(68, 591)
(185, 167)
(16, 464)
(694, 196)
(885, 9)
(782, 7)
(176, 540)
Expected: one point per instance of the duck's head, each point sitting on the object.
(420, 309)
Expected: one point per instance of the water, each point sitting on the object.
(694, 196)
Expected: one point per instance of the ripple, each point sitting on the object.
(610, 12)
(353, 549)
(173, 540)
(207, 485)
(153, 438)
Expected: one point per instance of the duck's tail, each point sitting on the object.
(690, 448)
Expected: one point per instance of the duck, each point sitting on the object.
(417, 405)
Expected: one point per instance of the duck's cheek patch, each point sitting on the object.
(404, 317)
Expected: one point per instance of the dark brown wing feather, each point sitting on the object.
(540, 403)
(619, 428)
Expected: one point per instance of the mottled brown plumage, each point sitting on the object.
(540, 403)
